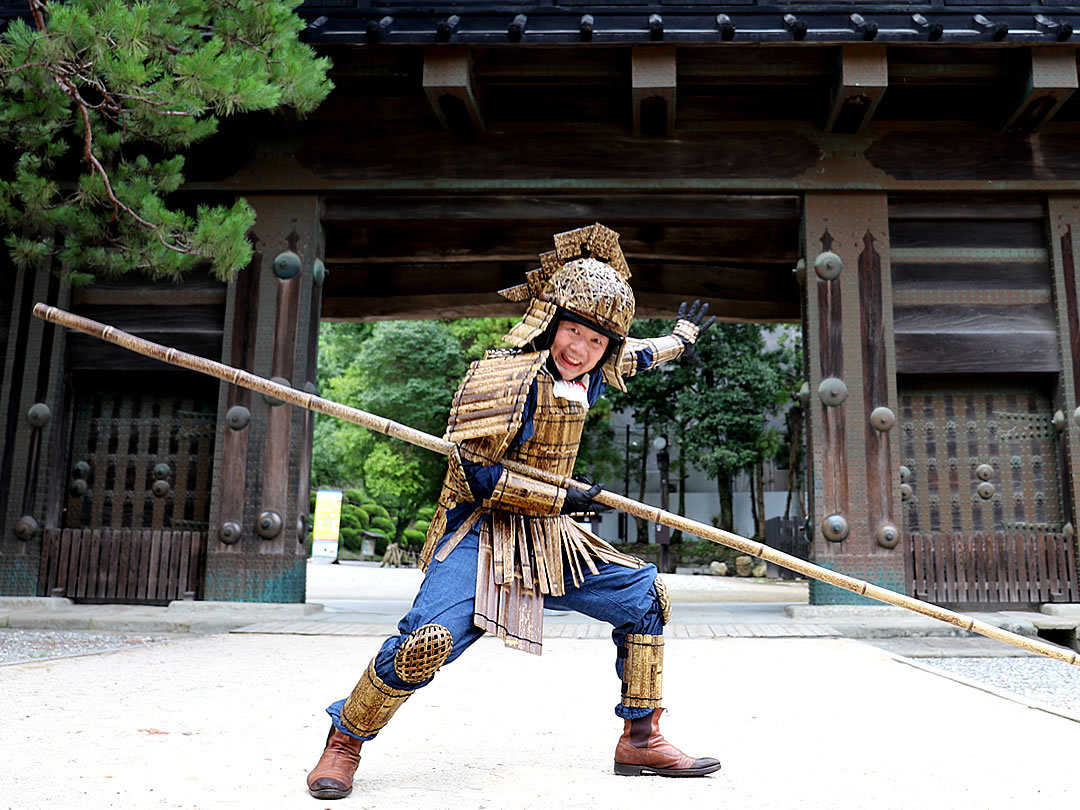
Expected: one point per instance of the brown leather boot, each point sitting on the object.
(642, 750)
(332, 777)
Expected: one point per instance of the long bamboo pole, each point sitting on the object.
(397, 430)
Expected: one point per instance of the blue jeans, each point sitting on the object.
(622, 597)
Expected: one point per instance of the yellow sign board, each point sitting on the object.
(327, 523)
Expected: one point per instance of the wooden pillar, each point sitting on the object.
(258, 520)
(30, 402)
(1064, 220)
(854, 452)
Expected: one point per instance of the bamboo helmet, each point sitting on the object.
(586, 276)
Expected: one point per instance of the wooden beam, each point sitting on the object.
(452, 242)
(652, 77)
(863, 79)
(1051, 81)
(671, 209)
(459, 305)
(448, 83)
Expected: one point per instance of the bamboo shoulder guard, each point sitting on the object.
(489, 403)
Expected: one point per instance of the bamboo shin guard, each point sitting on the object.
(371, 704)
(643, 671)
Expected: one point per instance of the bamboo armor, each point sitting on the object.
(527, 548)
(663, 599)
(371, 704)
(643, 671)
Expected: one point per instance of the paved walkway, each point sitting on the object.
(234, 720)
(361, 599)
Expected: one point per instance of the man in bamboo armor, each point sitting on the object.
(501, 545)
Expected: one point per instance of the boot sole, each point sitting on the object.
(622, 769)
(329, 793)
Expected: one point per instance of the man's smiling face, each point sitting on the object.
(577, 349)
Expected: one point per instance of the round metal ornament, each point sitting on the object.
(887, 535)
(39, 415)
(287, 265)
(268, 525)
(835, 528)
(1059, 421)
(26, 527)
(229, 532)
(832, 391)
(882, 419)
(237, 417)
(828, 265)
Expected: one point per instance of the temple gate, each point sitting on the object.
(903, 180)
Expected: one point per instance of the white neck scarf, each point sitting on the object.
(577, 391)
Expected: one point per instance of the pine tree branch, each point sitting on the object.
(62, 75)
(24, 66)
(213, 29)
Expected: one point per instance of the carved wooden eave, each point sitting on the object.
(448, 82)
(460, 137)
(862, 80)
(573, 21)
(1048, 85)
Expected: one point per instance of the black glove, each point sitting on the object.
(581, 500)
(689, 326)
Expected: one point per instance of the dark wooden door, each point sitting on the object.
(980, 457)
(138, 486)
(122, 566)
(981, 491)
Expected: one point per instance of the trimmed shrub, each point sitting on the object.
(362, 516)
(375, 509)
(413, 538)
(384, 524)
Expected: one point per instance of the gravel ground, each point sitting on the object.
(17, 646)
(1047, 681)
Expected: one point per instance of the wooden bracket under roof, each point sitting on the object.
(652, 70)
(864, 77)
(449, 85)
(1050, 82)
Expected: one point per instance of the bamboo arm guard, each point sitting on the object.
(525, 496)
(661, 350)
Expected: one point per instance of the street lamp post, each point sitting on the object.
(663, 533)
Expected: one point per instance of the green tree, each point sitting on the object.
(407, 371)
(477, 335)
(728, 406)
(97, 99)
